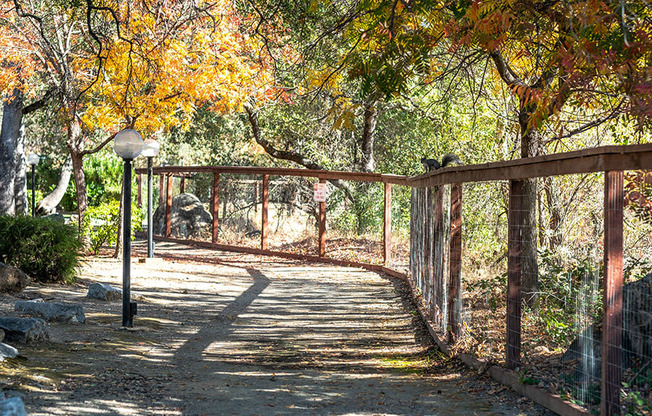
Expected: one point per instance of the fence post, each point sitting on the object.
(514, 271)
(437, 255)
(168, 205)
(215, 207)
(161, 185)
(265, 213)
(455, 276)
(182, 185)
(322, 226)
(387, 224)
(612, 320)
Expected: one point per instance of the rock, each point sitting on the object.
(52, 312)
(188, 218)
(637, 334)
(56, 217)
(103, 291)
(7, 351)
(2, 335)
(24, 330)
(12, 279)
(12, 407)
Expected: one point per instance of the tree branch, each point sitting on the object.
(40, 103)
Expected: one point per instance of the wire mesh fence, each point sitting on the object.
(524, 273)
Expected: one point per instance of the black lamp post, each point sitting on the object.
(33, 160)
(127, 144)
(150, 150)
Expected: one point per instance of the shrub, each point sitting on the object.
(101, 223)
(45, 249)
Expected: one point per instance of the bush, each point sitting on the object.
(47, 250)
(101, 223)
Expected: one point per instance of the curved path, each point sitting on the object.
(236, 334)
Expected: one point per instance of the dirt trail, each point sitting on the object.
(238, 334)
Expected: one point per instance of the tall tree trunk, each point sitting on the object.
(75, 145)
(20, 181)
(530, 141)
(48, 205)
(368, 164)
(12, 117)
(80, 185)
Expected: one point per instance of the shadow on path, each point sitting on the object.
(222, 323)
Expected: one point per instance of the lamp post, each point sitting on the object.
(127, 144)
(33, 160)
(150, 150)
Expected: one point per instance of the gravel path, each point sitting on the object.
(230, 334)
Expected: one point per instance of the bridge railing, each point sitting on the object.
(458, 218)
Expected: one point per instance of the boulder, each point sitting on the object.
(24, 330)
(56, 217)
(13, 406)
(103, 291)
(188, 217)
(586, 349)
(12, 279)
(51, 311)
(7, 351)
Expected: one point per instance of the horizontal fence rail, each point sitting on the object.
(259, 197)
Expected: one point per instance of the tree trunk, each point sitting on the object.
(368, 136)
(530, 140)
(80, 186)
(20, 180)
(12, 117)
(48, 205)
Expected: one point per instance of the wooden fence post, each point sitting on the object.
(182, 185)
(215, 207)
(612, 320)
(265, 213)
(437, 253)
(168, 205)
(322, 226)
(161, 187)
(387, 224)
(455, 276)
(514, 271)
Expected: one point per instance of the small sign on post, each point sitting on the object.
(320, 192)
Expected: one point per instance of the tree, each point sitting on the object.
(550, 54)
(115, 64)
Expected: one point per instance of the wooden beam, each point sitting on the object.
(182, 185)
(598, 159)
(161, 188)
(455, 272)
(215, 206)
(612, 320)
(265, 214)
(282, 254)
(387, 224)
(168, 206)
(514, 271)
(322, 226)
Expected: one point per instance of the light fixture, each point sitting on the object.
(150, 150)
(127, 144)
